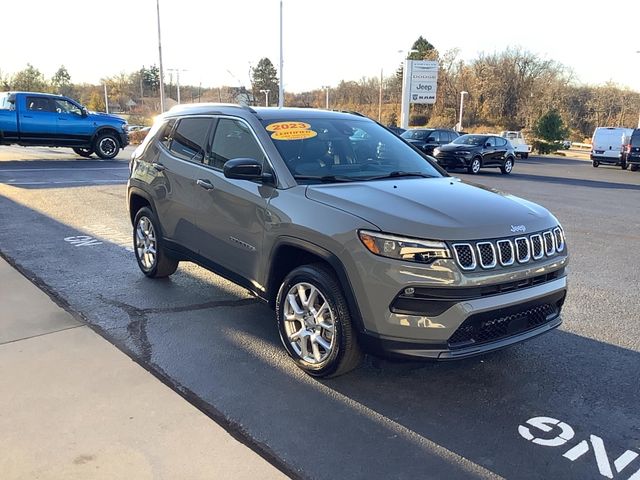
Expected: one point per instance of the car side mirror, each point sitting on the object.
(85, 112)
(244, 169)
(487, 144)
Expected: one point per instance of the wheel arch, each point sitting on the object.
(289, 253)
(138, 198)
(107, 129)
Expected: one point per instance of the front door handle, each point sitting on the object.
(159, 167)
(206, 184)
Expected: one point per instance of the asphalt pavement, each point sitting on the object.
(564, 405)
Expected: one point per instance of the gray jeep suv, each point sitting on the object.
(358, 240)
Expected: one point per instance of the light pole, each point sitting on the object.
(266, 97)
(462, 94)
(326, 88)
(177, 70)
(160, 61)
(380, 99)
(281, 89)
(106, 99)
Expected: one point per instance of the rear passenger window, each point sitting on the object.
(39, 104)
(233, 139)
(190, 139)
(501, 142)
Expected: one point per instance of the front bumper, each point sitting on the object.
(124, 139)
(454, 161)
(605, 159)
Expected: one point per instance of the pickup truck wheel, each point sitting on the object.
(524, 155)
(83, 152)
(475, 165)
(507, 166)
(107, 146)
(624, 165)
(315, 324)
(147, 245)
(634, 167)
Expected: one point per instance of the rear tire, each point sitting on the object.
(507, 166)
(83, 152)
(524, 155)
(624, 165)
(634, 167)
(106, 146)
(315, 324)
(147, 245)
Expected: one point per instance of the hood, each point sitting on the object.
(434, 208)
(452, 147)
(106, 117)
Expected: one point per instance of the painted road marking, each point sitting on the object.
(82, 241)
(101, 232)
(547, 424)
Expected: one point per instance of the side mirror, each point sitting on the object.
(85, 112)
(243, 169)
(487, 144)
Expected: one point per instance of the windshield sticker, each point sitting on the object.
(293, 134)
(280, 126)
(290, 130)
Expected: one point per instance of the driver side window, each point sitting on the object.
(232, 139)
(64, 106)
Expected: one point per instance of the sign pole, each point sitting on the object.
(406, 91)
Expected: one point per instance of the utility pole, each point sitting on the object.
(177, 70)
(266, 96)
(326, 88)
(281, 90)
(106, 99)
(462, 94)
(380, 99)
(160, 60)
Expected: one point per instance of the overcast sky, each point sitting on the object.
(326, 41)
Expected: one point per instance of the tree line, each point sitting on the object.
(509, 90)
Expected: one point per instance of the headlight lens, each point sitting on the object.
(125, 127)
(436, 151)
(401, 248)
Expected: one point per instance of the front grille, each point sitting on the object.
(522, 249)
(487, 254)
(505, 247)
(549, 246)
(536, 247)
(492, 326)
(464, 255)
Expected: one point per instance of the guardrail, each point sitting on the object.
(586, 146)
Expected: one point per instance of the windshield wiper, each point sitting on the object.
(400, 173)
(326, 178)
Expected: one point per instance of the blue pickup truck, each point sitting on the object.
(40, 119)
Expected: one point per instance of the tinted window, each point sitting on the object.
(39, 104)
(416, 134)
(233, 139)
(635, 138)
(501, 142)
(434, 137)
(190, 138)
(470, 140)
(64, 106)
(166, 130)
(491, 141)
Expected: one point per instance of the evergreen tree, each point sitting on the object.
(61, 81)
(265, 77)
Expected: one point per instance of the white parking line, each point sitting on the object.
(60, 169)
(64, 182)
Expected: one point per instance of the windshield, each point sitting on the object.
(470, 140)
(416, 134)
(344, 149)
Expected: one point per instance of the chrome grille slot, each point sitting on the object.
(536, 247)
(505, 249)
(522, 249)
(559, 234)
(486, 254)
(465, 256)
(549, 246)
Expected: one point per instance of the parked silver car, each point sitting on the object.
(356, 239)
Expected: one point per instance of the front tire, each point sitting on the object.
(595, 163)
(624, 165)
(147, 245)
(474, 166)
(107, 146)
(315, 324)
(83, 152)
(507, 166)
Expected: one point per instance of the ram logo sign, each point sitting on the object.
(423, 81)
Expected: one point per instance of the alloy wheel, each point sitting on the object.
(146, 243)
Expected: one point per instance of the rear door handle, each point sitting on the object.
(206, 184)
(159, 167)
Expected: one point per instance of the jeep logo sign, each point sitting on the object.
(518, 229)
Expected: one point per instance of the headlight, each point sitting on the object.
(401, 248)
(436, 151)
(125, 127)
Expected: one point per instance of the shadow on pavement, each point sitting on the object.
(218, 348)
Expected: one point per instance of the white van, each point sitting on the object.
(606, 145)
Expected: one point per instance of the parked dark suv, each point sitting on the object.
(426, 139)
(474, 152)
(358, 241)
(630, 154)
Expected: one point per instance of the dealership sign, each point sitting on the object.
(423, 81)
